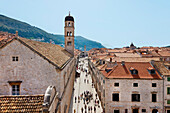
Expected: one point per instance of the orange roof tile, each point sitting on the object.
(123, 71)
(21, 103)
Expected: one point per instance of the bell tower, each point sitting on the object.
(69, 34)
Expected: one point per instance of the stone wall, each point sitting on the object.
(126, 90)
(35, 72)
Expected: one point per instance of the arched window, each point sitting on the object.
(67, 33)
(69, 24)
(70, 33)
(69, 43)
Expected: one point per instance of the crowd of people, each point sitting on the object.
(87, 96)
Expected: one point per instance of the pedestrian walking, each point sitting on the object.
(85, 107)
(89, 108)
(75, 99)
(82, 110)
(94, 109)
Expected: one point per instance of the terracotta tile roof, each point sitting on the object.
(21, 103)
(54, 53)
(5, 37)
(123, 71)
(160, 66)
(131, 59)
(164, 53)
(127, 55)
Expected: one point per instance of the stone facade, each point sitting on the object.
(125, 91)
(105, 88)
(34, 73)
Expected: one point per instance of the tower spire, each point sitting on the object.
(69, 13)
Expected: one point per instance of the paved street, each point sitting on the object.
(84, 84)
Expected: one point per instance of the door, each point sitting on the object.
(154, 111)
(116, 111)
(135, 110)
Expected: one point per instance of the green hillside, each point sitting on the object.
(25, 30)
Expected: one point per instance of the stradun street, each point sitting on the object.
(85, 98)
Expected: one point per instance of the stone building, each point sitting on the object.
(28, 67)
(164, 71)
(128, 87)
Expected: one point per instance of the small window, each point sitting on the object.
(168, 90)
(153, 84)
(116, 84)
(153, 97)
(151, 71)
(135, 84)
(69, 43)
(15, 58)
(115, 97)
(135, 97)
(134, 72)
(168, 78)
(168, 101)
(15, 89)
(103, 81)
(143, 110)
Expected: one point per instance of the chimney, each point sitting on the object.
(16, 34)
(123, 63)
(110, 59)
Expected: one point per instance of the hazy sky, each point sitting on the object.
(114, 23)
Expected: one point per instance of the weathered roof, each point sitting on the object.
(54, 53)
(123, 71)
(21, 103)
(127, 55)
(160, 66)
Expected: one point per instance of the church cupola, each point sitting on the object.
(69, 34)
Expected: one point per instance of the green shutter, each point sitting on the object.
(168, 90)
(168, 101)
(168, 79)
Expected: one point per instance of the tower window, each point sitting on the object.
(69, 24)
(69, 43)
(67, 33)
(70, 33)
